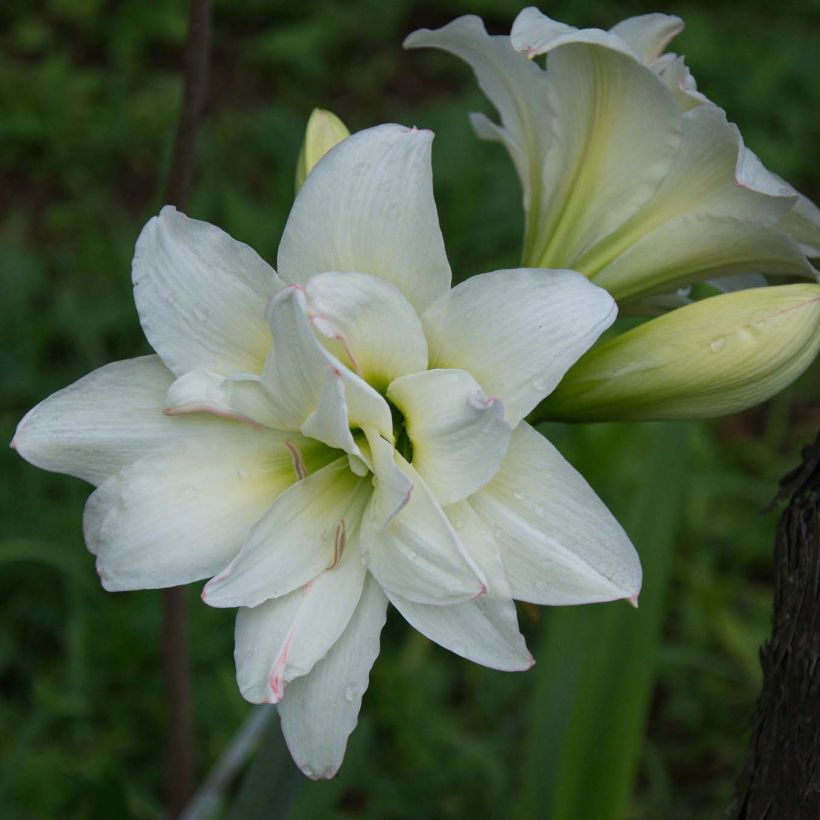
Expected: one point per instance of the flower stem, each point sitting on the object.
(176, 665)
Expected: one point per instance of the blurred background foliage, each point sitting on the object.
(649, 708)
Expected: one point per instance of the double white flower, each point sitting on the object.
(629, 174)
(347, 432)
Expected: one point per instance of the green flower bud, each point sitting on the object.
(324, 130)
(711, 358)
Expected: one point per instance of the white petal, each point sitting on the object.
(615, 130)
(703, 221)
(296, 376)
(532, 31)
(181, 513)
(201, 296)
(459, 435)
(391, 487)
(295, 540)
(558, 542)
(284, 638)
(484, 630)
(106, 420)
(648, 34)
(377, 329)
(320, 710)
(329, 421)
(240, 397)
(418, 554)
(514, 85)
(367, 206)
(517, 331)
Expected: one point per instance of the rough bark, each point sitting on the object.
(780, 779)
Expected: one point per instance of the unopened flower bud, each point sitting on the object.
(711, 358)
(324, 130)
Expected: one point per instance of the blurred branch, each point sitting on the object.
(781, 776)
(211, 795)
(176, 664)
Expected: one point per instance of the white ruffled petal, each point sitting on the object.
(484, 630)
(283, 639)
(106, 420)
(417, 554)
(320, 710)
(459, 435)
(201, 296)
(558, 542)
(296, 540)
(182, 513)
(299, 376)
(367, 206)
(517, 331)
(377, 330)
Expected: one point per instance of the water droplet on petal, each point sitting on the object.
(412, 556)
(202, 312)
(717, 345)
(393, 212)
(540, 383)
(350, 693)
(518, 496)
(241, 474)
(308, 772)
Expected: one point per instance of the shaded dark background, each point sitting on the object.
(89, 92)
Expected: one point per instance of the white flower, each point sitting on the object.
(343, 434)
(629, 175)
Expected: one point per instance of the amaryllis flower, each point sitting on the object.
(629, 175)
(343, 434)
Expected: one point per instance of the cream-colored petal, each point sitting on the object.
(459, 435)
(283, 639)
(367, 206)
(484, 630)
(201, 296)
(515, 86)
(391, 487)
(321, 709)
(417, 554)
(558, 542)
(181, 513)
(106, 420)
(240, 397)
(648, 34)
(517, 331)
(295, 541)
(298, 376)
(378, 331)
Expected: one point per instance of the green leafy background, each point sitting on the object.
(626, 714)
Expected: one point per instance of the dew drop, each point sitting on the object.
(308, 772)
(350, 693)
(717, 345)
(412, 556)
(539, 383)
(202, 312)
(241, 474)
(393, 212)
(518, 496)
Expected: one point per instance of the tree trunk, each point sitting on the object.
(780, 779)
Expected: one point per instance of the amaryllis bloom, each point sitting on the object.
(343, 434)
(629, 175)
